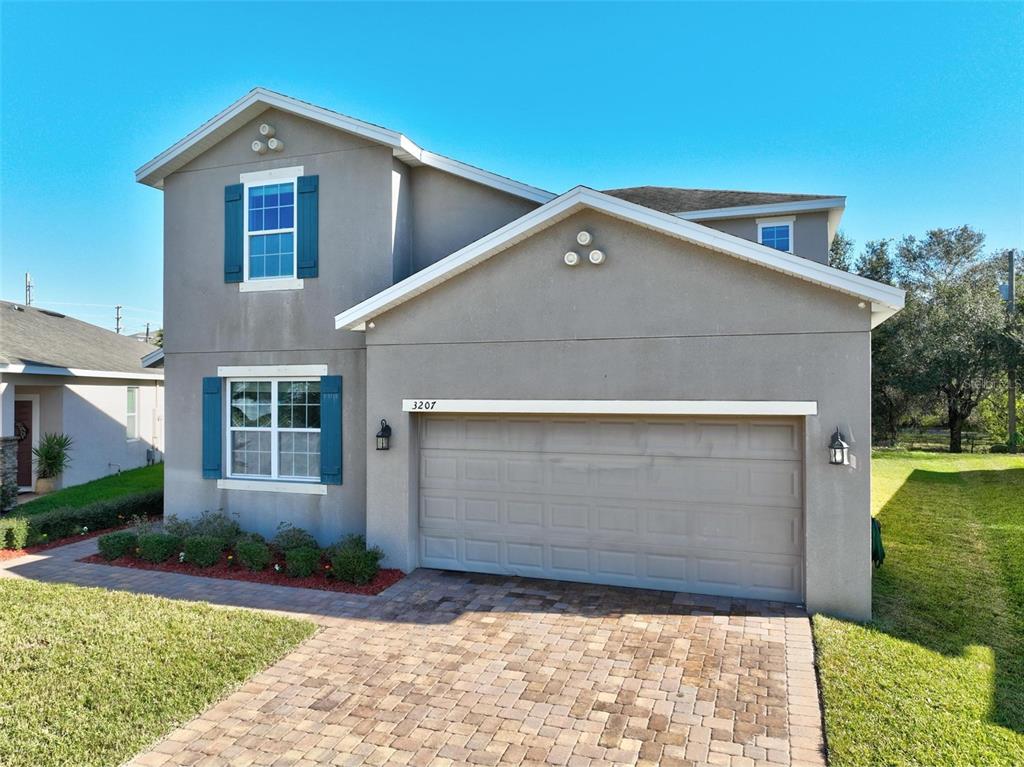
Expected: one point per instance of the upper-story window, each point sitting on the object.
(271, 229)
(271, 210)
(776, 233)
(131, 419)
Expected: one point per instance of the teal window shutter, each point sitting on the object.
(330, 430)
(213, 428)
(234, 232)
(308, 259)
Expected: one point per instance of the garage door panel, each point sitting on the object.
(723, 515)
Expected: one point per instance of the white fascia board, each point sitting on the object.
(867, 290)
(259, 100)
(270, 371)
(47, 370)
(152, 358)
(613, 407)
(745, 211)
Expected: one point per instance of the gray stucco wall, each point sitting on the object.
(450, 212)
(810, 232)
(659, 320)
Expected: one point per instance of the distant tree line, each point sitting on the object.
(948, 352)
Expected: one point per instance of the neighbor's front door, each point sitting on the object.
(23, 431)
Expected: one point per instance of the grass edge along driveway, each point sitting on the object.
(91, 677)
(937, 677)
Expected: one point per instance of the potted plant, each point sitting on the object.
(52, 458)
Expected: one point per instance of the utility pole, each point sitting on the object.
(147, 332)
(28, 289)
(117, 318)
(1012, 372)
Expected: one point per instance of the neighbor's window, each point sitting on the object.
(131, 421)
(776, 234)
(274, 429)
(270, 219)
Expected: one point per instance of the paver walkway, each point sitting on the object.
(452, 669)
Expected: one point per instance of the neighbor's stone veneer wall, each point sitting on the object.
(8, 472)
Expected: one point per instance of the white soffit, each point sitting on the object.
(259, 100)
(885, 300)
(612, 407)
(770, 209)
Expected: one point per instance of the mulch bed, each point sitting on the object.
(230, 570)
(15, 553)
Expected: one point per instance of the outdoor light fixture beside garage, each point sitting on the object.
(839, 450)
(384, 435)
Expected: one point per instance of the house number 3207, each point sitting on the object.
(424, 404)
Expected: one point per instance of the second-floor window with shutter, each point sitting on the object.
(270, 230)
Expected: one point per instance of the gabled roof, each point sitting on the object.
(49, 343)
(259, 100)
(884, 299)
(695, 204)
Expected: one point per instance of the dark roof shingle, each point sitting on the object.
(31, 336)
(669, 199)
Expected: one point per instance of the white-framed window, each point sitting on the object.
(776, 232)
(131, 419)
(271, 229)
(273, 427)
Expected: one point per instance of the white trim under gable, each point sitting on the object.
(270, 371)
(46, 370)
(885, 300)
(770, 209)
(612, 407)
(259, 100)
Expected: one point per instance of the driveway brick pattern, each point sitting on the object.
(458, 669)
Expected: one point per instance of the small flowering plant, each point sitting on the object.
(181, 557)
(277, 568)
(84, 530)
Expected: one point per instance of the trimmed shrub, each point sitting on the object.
(290, 537)
(47, 526)
(999, 447)
(114, 545)
(351, 561)
(254, 555)
(14, 532)
(250, 538)
(202, 550)
(177, 526)
(301, 562)
(158, 547)
(61, 523)
(217, 524)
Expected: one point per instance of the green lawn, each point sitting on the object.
(937, 677)
(131, 481)
(91, 677)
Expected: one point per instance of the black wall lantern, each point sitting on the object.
(384, 435)
(838, 450)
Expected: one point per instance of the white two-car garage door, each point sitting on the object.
(705, 504)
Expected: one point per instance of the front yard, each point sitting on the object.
(937, 678)
(106, 488)
(90, 676)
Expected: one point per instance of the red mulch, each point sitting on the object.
(14, 553)
(229, 570)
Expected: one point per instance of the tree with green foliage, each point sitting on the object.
(840, 252)
(955, 323)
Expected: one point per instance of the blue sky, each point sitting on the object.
(915, 112)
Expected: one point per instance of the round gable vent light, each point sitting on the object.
(584, 238)
(267, 130)
(571, 258)
(597, 256)
(276, 144)
(259, 147)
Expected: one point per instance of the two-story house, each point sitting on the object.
(638, 387)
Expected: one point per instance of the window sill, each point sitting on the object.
(272, 486)
(258, 286)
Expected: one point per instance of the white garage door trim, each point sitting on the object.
(709, 504)
(612, 407)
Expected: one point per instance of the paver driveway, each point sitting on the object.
(447, 669)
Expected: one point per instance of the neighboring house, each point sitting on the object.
(633, 387)
(62, 375)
